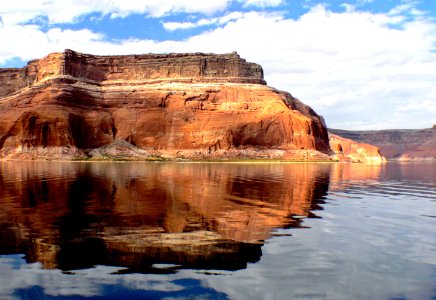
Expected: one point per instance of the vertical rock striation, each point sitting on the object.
(174, 105)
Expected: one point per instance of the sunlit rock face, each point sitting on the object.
(175, 105)
(349, 150)
(398, 144)
(135, 215)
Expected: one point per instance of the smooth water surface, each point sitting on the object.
(138, 230)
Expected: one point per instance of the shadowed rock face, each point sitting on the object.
(191, 105)
(399, 144)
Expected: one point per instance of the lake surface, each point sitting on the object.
(139, 230)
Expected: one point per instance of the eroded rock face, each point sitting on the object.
(191, 105)
(398, 144)
(349, 150)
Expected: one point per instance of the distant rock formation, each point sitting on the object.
(349, 150)
(398, 144)
(72, 105)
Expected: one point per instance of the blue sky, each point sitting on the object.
(362, 64)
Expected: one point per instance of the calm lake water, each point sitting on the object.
(138, 230)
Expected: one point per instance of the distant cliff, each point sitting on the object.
(195, 105)
(354, 151)
(398, 144)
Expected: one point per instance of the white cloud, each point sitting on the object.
(261, 3)
(15, 12)
(355, 68)
(18, 12)
(363, 2)
(34, 43)
(171, 26)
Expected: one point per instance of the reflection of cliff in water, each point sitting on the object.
(137, 215)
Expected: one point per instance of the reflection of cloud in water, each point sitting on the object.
(371, 239)
(30, 279)
(53, 282)
(371, 242)
(319, 266)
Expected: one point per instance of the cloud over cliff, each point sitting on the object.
(360, 66)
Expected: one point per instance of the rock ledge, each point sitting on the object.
(194, 105)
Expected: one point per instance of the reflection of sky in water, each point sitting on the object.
(374, 239)
(30, 281)
(339, 259)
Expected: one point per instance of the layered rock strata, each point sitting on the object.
(349, 150)
(398, 144)
(196, 105)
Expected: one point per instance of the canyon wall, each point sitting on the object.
(72, 105)
(398, 144)
(350, 150)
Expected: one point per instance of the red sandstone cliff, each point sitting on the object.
(398, 144)
(349, 150)
(175, 105)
